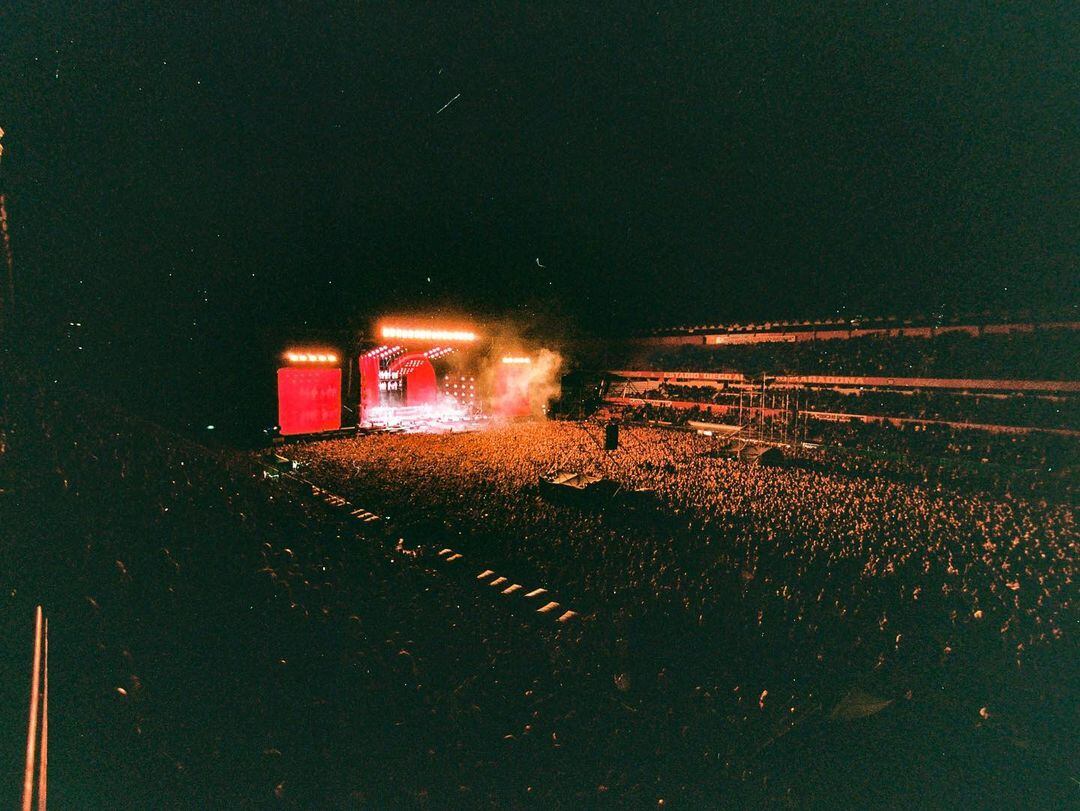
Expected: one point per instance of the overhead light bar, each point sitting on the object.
(408, 333)
(295, 356)
(516, 360)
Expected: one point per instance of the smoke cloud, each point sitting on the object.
(521, 389)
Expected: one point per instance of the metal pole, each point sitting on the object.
(31, 731)
(43, 760)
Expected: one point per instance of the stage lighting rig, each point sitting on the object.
(310, 356)
(438, 352)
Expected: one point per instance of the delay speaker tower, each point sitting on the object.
(611, 436)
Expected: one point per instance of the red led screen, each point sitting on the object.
(369, 383)
(309, 400)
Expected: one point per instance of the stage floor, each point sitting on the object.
(423, 420)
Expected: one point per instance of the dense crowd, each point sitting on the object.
(1045, 461)
(227, 640)
(801, 581)
(1043, 355)
(1036, 463)
(815, 515)
(219, 640)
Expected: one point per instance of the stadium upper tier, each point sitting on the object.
(1045, 353)
(848, 327)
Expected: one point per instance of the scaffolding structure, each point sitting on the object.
(7, 288)
(766, 414)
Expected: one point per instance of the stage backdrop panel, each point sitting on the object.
(421, 388)
(309, 400)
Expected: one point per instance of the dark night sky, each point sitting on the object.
(186, 177)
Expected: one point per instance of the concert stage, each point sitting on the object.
(412, 379)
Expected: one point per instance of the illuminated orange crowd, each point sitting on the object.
(943, 555)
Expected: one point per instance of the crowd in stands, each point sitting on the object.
(803, 635)
(659, 412)
(1042, 355)
(1020, 410)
